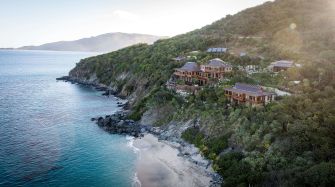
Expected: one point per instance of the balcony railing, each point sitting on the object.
(184, 75)
(239, 98)
(245, 99)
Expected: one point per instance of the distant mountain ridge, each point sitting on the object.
(101, 43)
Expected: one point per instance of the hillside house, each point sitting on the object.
(215, 69)
(193, 74)
(249, 94)
(281, 65)
(217, 50)
(190, 73)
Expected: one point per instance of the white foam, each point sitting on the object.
(131, 144)
(136, 182)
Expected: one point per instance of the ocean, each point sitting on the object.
(46, 136)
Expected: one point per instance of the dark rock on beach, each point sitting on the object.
(126, 106)
(119, 124)
(109, 92)
(97, 86)
(116, 123)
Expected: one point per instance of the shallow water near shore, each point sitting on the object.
(46, 136)
(158, 166)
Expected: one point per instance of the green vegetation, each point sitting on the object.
(284, 139)
(290, 142)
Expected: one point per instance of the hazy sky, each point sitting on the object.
(33, 22)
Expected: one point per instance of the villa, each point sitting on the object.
(215, 69)
(190, 73)
(281, 65)
(217, 50)
(193, 74)
(249, 94)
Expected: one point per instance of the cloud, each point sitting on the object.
(125, 15)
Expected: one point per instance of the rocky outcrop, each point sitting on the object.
(89, 82)
(119, 124)
(92, 82)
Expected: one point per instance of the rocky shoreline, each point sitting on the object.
(97, 86)
(118, 123)
(171, 134)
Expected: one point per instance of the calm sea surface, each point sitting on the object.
(46, 136)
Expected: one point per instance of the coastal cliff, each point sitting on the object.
(248, 146)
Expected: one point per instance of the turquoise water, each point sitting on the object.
(46, 136)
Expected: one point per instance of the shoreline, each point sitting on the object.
(160, 164)
(164, 158)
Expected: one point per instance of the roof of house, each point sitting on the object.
(282, 63)
(190, 66)
(254, 90)
(218, 63)
(217, 50)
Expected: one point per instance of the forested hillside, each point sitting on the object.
(290, 142)
(301, 30)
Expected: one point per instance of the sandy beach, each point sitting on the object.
(159, 165)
